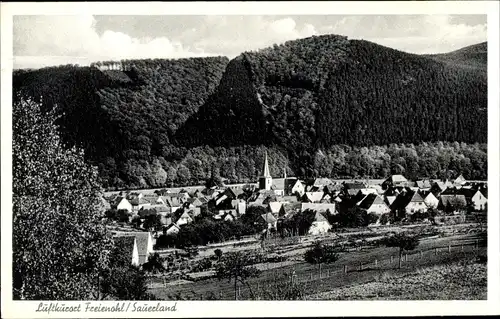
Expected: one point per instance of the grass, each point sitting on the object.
(337, 278)
(456, 280)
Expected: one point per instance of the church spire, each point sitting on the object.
(284, 172)
(266, 168)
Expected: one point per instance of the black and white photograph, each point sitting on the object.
(165, 158)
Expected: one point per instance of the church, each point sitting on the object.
(280, 186)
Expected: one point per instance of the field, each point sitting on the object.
(356, 267)
(456, 280)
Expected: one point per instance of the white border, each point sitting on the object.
(12, 309)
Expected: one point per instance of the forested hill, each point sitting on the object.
(158, 122)
(123, 112)
(475, 56)
(312, 93)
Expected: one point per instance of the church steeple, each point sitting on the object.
(284, 172)
(265, 181)
(266, 168)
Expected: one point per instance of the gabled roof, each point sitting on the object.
(416, 198)
(160, 208)
(290, 183)
(424, 183)
(194, 212)
(484, 191)
(391, 191)
(268, 218)
(173, 202)
(318, 217)
(142, 241)
(460, 180)
(185, 215)
(275, 207)
(331, 188)
(402, 200)
(125, 245)
(314, 197)
(173, 225)
(370, 200)
(397, 179)
(353, 191)
(289, 209)
(448, 199)
(354, 185)
(322, 182)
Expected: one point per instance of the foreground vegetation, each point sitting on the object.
(457, 280)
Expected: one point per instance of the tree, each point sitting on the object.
(218, 254)
(320, 254)
(122, 215)
(154, 263)
(60, 242)
(183, 174)
(403, 242)
(152, 223)
(237, 266)
(171, 175)
(122, 280)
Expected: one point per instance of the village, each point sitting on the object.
(153, 222)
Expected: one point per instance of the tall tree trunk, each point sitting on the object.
(400, 257)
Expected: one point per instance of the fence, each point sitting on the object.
(340, 273)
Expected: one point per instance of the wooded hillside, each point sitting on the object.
(158, 122)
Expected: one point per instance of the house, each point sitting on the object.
(390, 195)
(240, 206)
(332, 189)
(459, 181)
(193, 202)
(173, 202)
(395, 180)
(319, 207)
(194, 212)
(184, 219)
(438, 187)
(424, 184)
(374, 203)
(452, 202)
(322, 182)
(224, 212)
(150, 198)
(312, 197)
(160, 209)
(144, 242)
(479, 200)
(289, 209)
(431, 200)
(166, 219)
(173, 229)
(409, 201)
(294, 186)
(139, 203)
(122, 203)
(416, 204)
(320, 225)
(274, 207)
(127, 246)
(269, 220)
(230, 216)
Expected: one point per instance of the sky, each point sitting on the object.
(43, 40)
